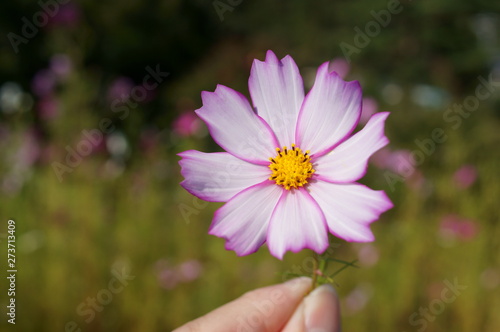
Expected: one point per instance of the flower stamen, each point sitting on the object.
(291, 170)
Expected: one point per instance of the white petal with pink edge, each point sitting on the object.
(244, 219)
(348, 161)
(297, 223)
(277, 93)
(350, 208)
(235, 126)
(330, 112)
(217, 177)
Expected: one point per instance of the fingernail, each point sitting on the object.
(321, 310)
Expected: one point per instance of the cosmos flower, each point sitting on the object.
(186, 124)
(68, 15)
(340, 66)
(43, 83)
(454, 227)
(61, 65)
(370, 107)
(120, 89)
(170, 276)
(465, 176)
(288, 176)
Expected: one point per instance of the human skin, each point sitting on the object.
(284, 307)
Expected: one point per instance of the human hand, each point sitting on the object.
(281, 307)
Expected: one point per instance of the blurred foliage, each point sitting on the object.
(121, 208)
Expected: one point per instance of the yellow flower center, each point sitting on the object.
(291, 168)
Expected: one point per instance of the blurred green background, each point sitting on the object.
(89, 169)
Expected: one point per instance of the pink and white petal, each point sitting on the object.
(350, 208)
(330, 112)
(348, 161)
(297, 223)
(277, 93)
(235, 127)
(244, 219)
(217, 177)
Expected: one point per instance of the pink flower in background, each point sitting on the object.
(402, 164)
(398, 161)
(170, 276)
(186, 124)
(29, 151)
(67, 15)
(45, 80)
(370, 107)
(381, 157)
(61, 65)
(43, 83)
(358, 298)
(120, 89)
(288, 176)
(190, 270)
(465, 176)
(340, 66)
(368, 255)
(416, 180)
(453, 227)
(47, 107)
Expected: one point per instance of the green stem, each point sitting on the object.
(344, 267)
(315, 272)
(320, 264)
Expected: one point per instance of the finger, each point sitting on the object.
(262, 310)
(296, 322)
(319, 312)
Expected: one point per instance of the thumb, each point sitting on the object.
(319, 312)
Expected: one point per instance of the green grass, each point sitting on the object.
(71, 235)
